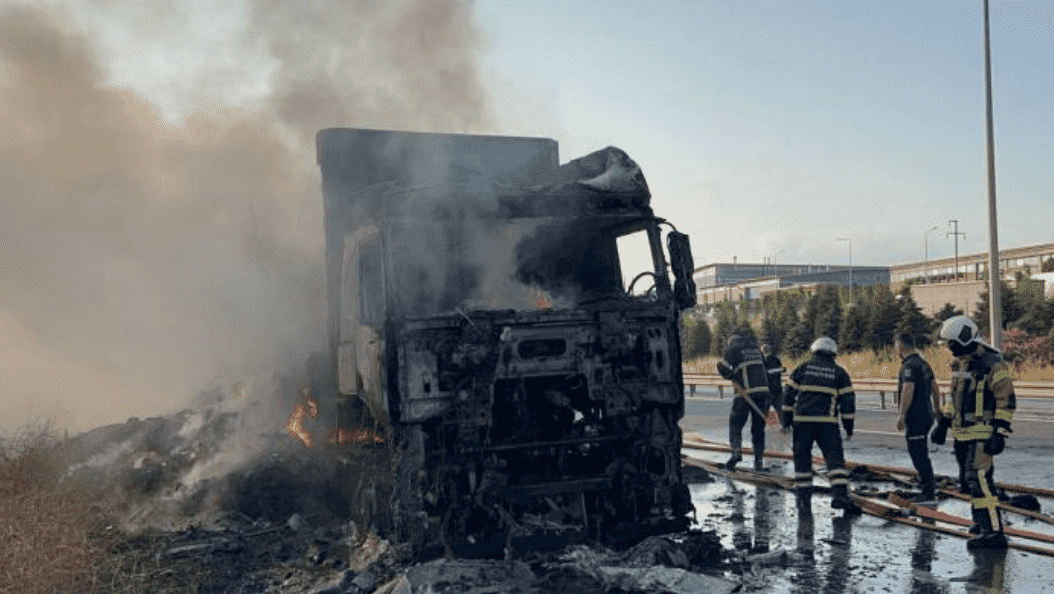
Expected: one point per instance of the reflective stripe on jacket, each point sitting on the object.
(820, 391)
(744, 365)
(982, 394)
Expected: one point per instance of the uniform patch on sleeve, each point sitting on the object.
(907, 373)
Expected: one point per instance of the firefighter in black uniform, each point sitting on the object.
(919, 402)
(775, 369)
(818, 393)
(743, 364)
(979, 413)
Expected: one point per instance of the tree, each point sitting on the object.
(798, 340)
(1012, 308)
(1048, 265)
(854, 329)
(912, 321)
(1037, 319)
(726, 323)
(946, 312)
(826, 312)
(695, 337)
(771, 332)
(883, 318)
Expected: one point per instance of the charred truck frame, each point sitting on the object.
(480, 329)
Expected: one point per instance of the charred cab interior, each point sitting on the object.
(522, 386)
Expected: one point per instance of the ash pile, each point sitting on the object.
(214, 498)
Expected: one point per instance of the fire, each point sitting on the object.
(360, 436)
(295, 426)
(543, 301)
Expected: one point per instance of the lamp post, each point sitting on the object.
(850, 267)
(995, 309)
(926, 255)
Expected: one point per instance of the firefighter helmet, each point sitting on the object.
(824, 344)
(960, 330)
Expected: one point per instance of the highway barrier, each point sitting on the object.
(880, 385)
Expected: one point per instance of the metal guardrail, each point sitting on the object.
(880, 385)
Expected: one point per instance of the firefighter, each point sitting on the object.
(818, 393)
(940, 434)
(980, 412)
(775, 369)
(743, 364)
(919, 403)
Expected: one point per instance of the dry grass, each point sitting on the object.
(58, 537)
(51, 537)
(884, 364)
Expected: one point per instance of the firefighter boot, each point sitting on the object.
(989, 537)
(759, 464)
(977, 514)
(843, 501)
(804, 500)
(737, 456)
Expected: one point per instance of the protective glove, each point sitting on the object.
(940, 434)
(997, 441)
(995, 444)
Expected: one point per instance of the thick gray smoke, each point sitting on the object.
(140, 260)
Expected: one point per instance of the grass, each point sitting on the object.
(883, 364)
(52, 537)
(58, 537)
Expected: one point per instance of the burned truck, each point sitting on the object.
(487, 329)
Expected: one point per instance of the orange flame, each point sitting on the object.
(360, 436)
(295, 424)
(543, 301)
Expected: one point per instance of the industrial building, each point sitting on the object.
(935, 282)
(747, 282)
(972, 267)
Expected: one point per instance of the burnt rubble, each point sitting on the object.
(282, 522)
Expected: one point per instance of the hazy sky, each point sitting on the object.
(761, 126)
(139, 136)
(768, 126)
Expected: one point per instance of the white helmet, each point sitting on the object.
(824, 344)
(959, 329)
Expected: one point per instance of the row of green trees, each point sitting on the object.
(789, 321)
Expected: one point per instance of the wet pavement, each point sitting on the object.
(833, 554)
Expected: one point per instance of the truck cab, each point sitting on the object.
(507, 328)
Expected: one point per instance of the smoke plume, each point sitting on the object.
(141, 259)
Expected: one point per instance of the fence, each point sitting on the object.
(880, 385)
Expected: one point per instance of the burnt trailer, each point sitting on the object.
(484, 327)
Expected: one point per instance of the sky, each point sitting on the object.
(768, 127)
(160, 216)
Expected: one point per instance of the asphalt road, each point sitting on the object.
(867, 554)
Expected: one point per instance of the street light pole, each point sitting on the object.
(926, 256)
(995, 307)
(850, 267)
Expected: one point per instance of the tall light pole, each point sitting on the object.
(995, 306)
(850, 268)
(926, 256)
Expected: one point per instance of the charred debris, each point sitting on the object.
(482, 333)
(493, 388)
